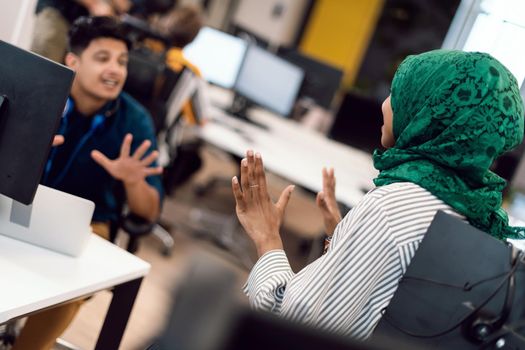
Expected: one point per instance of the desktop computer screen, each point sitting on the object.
(269, 80)
(321, 80)
(358, 122)
(34, 92)
(218, 55)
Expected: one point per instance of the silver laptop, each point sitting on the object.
(56, 220)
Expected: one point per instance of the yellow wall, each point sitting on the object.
(338, 32)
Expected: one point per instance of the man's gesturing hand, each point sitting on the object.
(130, 169)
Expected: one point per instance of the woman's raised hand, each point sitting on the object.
(326, 202)
(258, 214)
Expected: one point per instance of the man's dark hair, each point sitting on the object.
(86, 29)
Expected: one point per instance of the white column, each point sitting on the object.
(16, 21)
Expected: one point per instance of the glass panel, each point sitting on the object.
(500, 30)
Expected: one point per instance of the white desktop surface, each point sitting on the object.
(294, 152)
(34, 278)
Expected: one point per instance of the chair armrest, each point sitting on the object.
(135, 225)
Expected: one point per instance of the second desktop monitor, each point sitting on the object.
(252, 72)
(268, 80)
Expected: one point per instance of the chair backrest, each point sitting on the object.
(134, 225)
(150, 81)
(145, 70)
(463, 289)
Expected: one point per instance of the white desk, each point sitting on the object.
(35, 278)
(294, 152)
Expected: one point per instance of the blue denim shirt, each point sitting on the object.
(84, 177)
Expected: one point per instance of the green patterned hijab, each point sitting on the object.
(454, 113)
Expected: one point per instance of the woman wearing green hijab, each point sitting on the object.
(449, 116)
(449, 130)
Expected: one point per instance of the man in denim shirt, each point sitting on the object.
(109, 141)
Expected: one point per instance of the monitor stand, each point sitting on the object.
(21, 214)
(239, 108)
(55, 220)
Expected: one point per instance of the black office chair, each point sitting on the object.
(136, 226)
(10, 330)
(462, 290)
(152, 82)
(8, 334)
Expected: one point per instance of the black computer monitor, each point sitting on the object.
(321, 80)
(34, 91)
(218, 56)
(358, 122)
(269, 81)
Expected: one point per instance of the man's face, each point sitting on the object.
(101, 69)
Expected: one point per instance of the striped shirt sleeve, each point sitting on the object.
(345, 290)
(267, 281)
(339, 290)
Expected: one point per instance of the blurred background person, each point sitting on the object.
(179, 27)
(54, 17)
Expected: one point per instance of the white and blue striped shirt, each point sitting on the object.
(345, 290)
